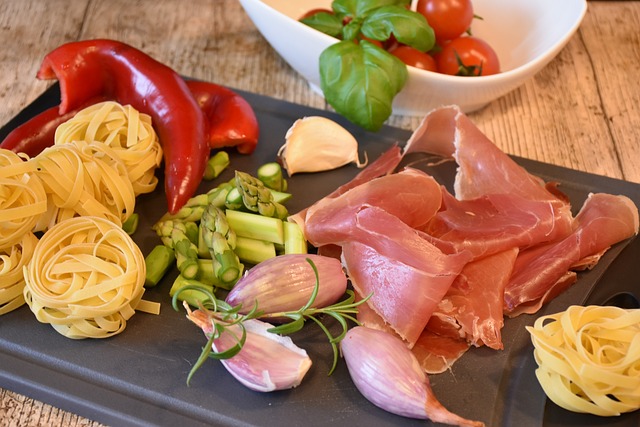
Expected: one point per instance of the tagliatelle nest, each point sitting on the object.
(589, 359)
(22, 201)
(125, 130)
(84, 179)
(86, 278)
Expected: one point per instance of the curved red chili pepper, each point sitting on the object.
(109, 68)
(39, 132)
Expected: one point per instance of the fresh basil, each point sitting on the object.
(325, 22)
(359, 79)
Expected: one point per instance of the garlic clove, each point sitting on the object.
(386, 373)
(315, 143)
(286, 282)
(266, 362)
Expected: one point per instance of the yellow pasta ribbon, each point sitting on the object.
(22, 198)
(84, 179)
(86, 278)
(125, 130)
(589, 358)
(12, 262)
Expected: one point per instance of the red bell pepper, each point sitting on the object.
(112, 69)
(39, 132)
(232, 121)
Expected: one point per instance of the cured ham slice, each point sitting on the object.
(471, 310)
(405, 275)
(383, 165)
(603, 220)
(497, 222)
(482, 167)
(410, 195)
(437, 353)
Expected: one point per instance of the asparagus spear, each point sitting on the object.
(216, 164)
(174, 234)
(271, 175)
(159, 260)
(220, 240)
(257, 197)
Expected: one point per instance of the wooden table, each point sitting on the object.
(582, 111)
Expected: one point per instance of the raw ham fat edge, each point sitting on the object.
(382, 239)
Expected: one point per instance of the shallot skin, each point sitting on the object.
(266, 362)
(286, 282)
(387, 374)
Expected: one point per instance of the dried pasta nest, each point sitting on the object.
(86, 278)
(589, 359)
(22, 201)
(123, 129)
(83, 178)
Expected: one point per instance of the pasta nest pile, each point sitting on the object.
(85, 278)
(22, 202)
(589, 358)
(103, 158)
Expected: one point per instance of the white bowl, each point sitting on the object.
(526, 34)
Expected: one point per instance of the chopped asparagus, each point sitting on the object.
(294, 241)
(216, 165)
(271, 175)
(191, 296)
(257, 197)
(158, 262)
(131, 224)
(255, 226)
(220, 239)
(234, 199)
(254, 251)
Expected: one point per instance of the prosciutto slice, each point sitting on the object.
(405, 275)
(603, 220)
(410, 195)
(482, 167)
(471, 310)
(497, 222)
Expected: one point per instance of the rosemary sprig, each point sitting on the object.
(223, 316)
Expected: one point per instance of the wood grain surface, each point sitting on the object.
(582, 111)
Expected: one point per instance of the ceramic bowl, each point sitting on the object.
(526, 34)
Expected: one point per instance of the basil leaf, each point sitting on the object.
(410, 28)
(352, 29)
(360, 81)
(360, 8)
(325, 22)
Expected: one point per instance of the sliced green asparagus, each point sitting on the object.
(174, 234)
(158, 262)
(257, 197)
(191, 296)
(216, 165)
(254, 251)
(255, 226)
(271, 175)
(221, 241)
(294, 241)
(131, 224)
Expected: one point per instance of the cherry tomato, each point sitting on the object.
(448, 18)
(414, 57)
(312, 12)
(467, 56)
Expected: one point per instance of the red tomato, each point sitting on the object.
(467, 56)
(448, 18)
(414, 57)
(312, 12)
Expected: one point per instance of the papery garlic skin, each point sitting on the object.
(266, 362)
(286, 282)
(315, 143)
(388, 375)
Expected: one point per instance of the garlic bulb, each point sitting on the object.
(315, 144)
(286, 282)
(266, 362)
(386, 372)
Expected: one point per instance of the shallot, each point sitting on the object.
(386, 373)
(266, 361)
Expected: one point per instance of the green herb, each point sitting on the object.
(223, 316)
(359, 79)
